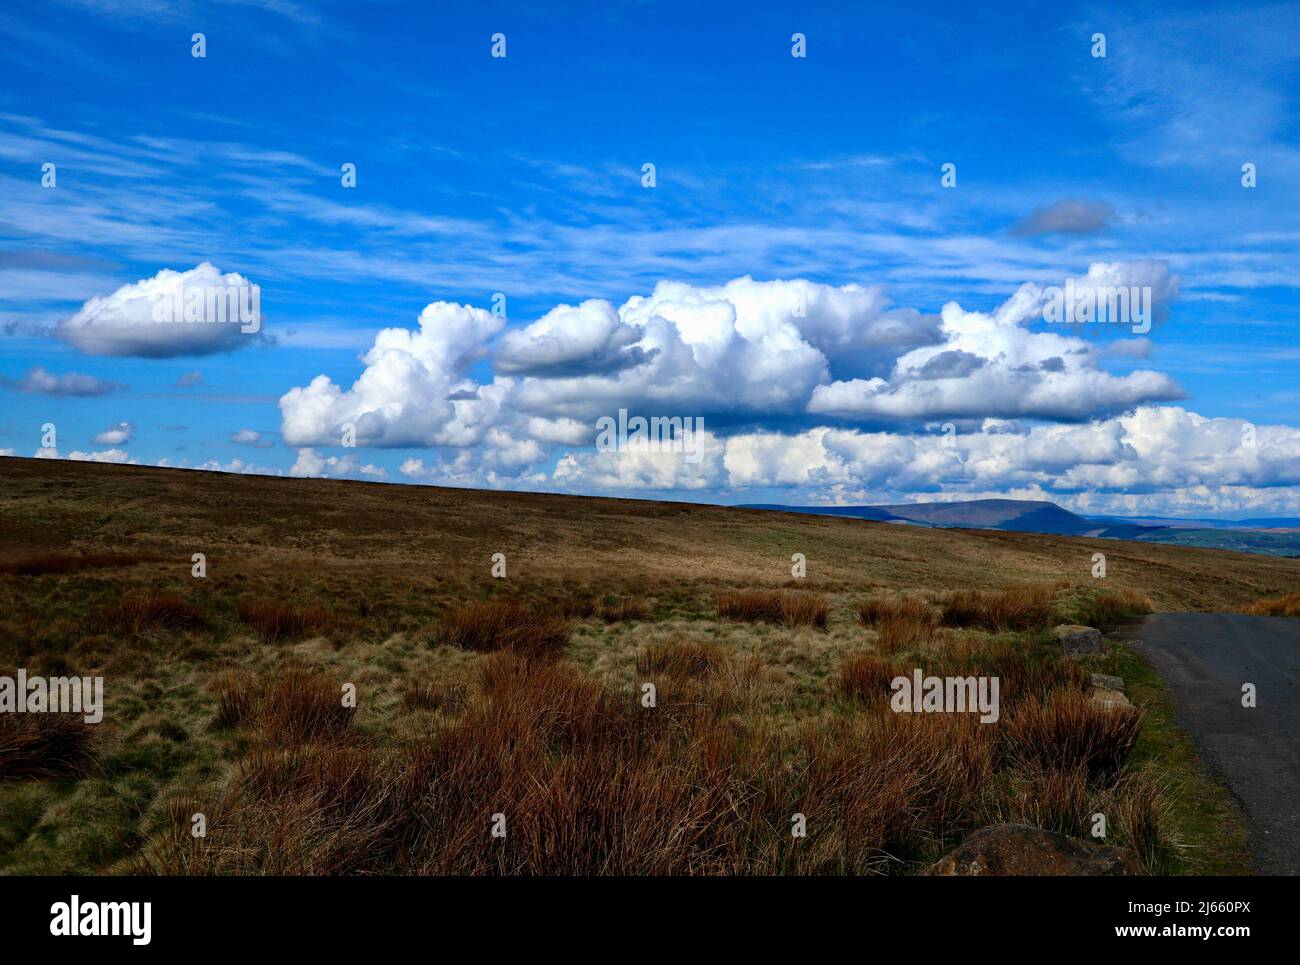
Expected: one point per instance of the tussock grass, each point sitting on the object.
(434, 695)
(678, 659)
(519, 628)
(136, 613)
(1278, 606)
(1142, 803)
(45, 746)
(1070, 727)
(901, 622)
(626, 610)
(1112, 607)
(785, 607)
(1054, 798)
(1020, 608)
(274, 620)
(1024, 672)
(296, 705)
(237, 699)
(866, 677)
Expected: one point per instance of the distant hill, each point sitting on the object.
(1013, 515)
(1262, 522)
(1270, 522)
(1273, 536)
(877, 513)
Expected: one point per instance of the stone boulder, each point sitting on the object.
(1077, 641)
(1017, 849)
(1110, 699)
(1105, 681)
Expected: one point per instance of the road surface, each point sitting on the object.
(1206, 658)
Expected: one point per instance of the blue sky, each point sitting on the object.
(816, 177)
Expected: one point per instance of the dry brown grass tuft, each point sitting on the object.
(506, 625)
(45, 747)
(891, 787)
(237, 699)
(867, 676)
(580, 607)
(1053, 798)
(1070, 728)
(679, 659)
(137, 613)
(274, 620)
(302, 706)
(1142, 805)
(1111, 607)
(44, 563)
(294, 706)
(626, 610)
(1024, 673)
(901, 622)
(785, 607)
(1021, 608)
(1278, 606)
(434, 695)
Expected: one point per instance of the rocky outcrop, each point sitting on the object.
(1017, 849)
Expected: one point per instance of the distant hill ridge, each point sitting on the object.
(1015, 515)
(1042, 516)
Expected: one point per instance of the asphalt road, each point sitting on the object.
(1206, 658)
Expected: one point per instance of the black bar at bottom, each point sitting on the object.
(622, 915)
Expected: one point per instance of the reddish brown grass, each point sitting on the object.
(135, 614)
(590, 782)
(889, 785)
(1022, 608)
(1055, 798)
(237, 699)
(901, 622)
(626, 610)
(1111, 607)
(45, 747)
(581, 607)
(1071, 728)
(301, 706)
(678, 659)
(867, 677)
(293, 706)
(1023, 672)
(517, 627)
(274, 620)
(788, 608)
(433, 695)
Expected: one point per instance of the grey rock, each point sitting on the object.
(1077, 641)
(1106, 682)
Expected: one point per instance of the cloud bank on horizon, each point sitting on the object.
(847, 327)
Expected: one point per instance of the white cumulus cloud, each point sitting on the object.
(124, 323)
(115, 435)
